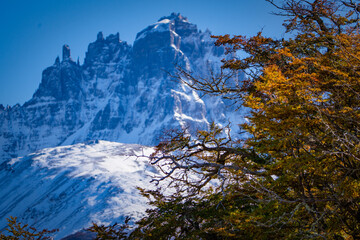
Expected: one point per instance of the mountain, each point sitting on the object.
(69, 187)
(122, 93)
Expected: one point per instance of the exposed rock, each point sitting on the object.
(66, 52)
(121, 93)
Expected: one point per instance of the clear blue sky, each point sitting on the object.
(33, 31)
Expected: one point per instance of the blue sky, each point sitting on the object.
(33, 32)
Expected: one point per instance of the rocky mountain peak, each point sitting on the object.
(106, 50)
(175, 16)
(113, 38)
(121, 93)
(175, 24)
(61, 81)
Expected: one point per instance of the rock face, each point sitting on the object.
(121, 93)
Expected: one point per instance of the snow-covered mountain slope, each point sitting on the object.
(121, 93)
(69, 187)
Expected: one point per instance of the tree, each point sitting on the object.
(19, 231)
(111, 232)
(298, 174)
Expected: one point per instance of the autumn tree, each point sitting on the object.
(19, 231)
(297, 174)
(111, 232)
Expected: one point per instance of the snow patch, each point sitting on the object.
(72, 186)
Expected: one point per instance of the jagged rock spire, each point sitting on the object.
(100, 36)
(66, 52)
(174, 16)
(113, 38)
(57, 61)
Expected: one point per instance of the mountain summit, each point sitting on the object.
(121, 93)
